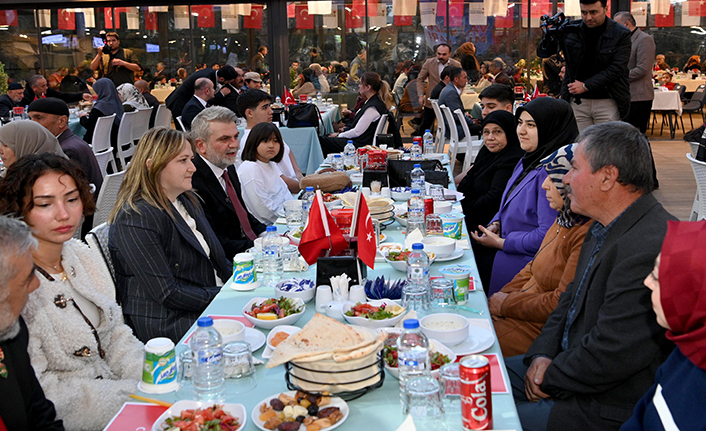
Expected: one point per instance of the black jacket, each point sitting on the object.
(29, 96)
(178, 99)
(613, 55)
(6, 105)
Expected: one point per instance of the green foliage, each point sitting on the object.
(3, 79)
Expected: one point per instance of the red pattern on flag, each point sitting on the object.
(358, 8)
(321, 233)
(304, 20)
(67, 20)
(205, 17)
(506, 21)
(288, 99)
(108, 14)
(455, 12)
(151, 20)
(403, 20)
(254, 21)
(353, 20)
(8, 17)
(373, 8)
(665, 20)
(539, 8)
(697, 8)
(291, 10)
(364, 230)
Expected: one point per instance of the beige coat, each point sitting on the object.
(430, 70)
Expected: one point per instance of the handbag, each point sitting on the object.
(399, 170)
(304, 115)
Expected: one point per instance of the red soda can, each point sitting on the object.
(428, 206)
(476, 402)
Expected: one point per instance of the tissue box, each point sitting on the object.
(370, 175)
(344, 262)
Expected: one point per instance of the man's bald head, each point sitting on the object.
(142, 85)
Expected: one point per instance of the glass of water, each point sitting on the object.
(293, 213)
(424, 401)
(450, 389)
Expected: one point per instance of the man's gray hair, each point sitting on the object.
(625, 17)
(15, 240)
(499, 63)
(623, 146)
(33, 80)
(200, 126)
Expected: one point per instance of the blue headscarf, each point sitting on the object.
(557, 165)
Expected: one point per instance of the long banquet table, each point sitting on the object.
(379, 409)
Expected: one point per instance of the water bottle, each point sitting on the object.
(416, 292)
(319, 98)
(271, 257)
(412, 358)
(415, 213)
(418, 180)
(208, 376)
(349, 155)
(428, 140)
(307, 201)
(416, 150)
(337, 163)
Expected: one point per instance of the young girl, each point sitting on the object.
(264, 190)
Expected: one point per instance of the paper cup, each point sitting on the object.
(459, 275)
(159, 373)
(452, 224)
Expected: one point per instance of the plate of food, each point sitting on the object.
(182, 415)
(266, 313)
(373, 314)
(315, 412)
(295, 235)
(397, 258)
(440, 354)
(279, 334)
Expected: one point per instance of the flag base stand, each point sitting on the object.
(344, 262)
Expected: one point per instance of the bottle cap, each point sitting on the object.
(349, 142)
(417, 246)
(204, 321)
(415, 191)
(271, 228)
(309, 189)
(417, 165)
(336, 156)
(409, 324)
(427, 131)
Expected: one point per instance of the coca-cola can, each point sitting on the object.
(428, 205)
(476, 402)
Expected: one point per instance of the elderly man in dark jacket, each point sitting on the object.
(597, 51)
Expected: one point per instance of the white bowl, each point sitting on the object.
(230, 330)
(369, 323)
(442, 207)
(258, 242)
(289, 329)
(401, 265)
(435, 346)
(450, 337)
(269, 324)
(305, 295)
(441, 246)
(400, 193)
(235, 410)
(292, 238)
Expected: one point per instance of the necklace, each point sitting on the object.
(47, 265)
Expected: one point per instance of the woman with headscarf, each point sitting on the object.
(466, 54)
(678, 285)
(107, 103)
(484, 183)
(514, 235)
(24, 137)
(132, 98)
(521, 308)
(305, 85)
(693, 64)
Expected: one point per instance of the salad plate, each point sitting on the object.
(237, 411)
(434, 346)
(335, 402)
(268, 314)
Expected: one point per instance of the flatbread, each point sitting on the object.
(362, 351)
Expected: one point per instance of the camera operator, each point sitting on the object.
(597, 51)
(116, 63)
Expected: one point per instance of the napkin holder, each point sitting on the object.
(344, 262)
(370, 175)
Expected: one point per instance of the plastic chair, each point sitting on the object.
(441, 139)
(103, 159)
(380, 129)
(163, 118)
(97, 240)
(107, 197)
(126, 144)
(141, 124)
(694, 105)
(475, 143)
(456, 146)
(101, 133)
(698, 210)
(694, 148)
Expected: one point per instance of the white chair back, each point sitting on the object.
(694, 148)
(180, 124)
(698, 211)
(441, 139)
(97, 240)
(101, 133)
(473, 144)
(107, 197)
(382, 126)
(163, 117)
(126, 144)
(455, 146)
(141, 124)
(103, 158)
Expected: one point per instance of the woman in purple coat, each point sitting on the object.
(517, 230)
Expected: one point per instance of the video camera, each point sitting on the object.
(557, 25)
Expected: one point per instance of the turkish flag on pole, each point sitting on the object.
(291, 10)
(67, 20)
(288, 99)
(665, 20)
(304, 20)
(254, 21)
(205, 16)
(8, 17)
(364, 230)
(151, 20)
(506, 21)
(320, 233)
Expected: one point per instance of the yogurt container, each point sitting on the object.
(244, 270)
(159, 373)
(459, 274)
(452, 225)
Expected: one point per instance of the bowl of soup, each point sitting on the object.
(450, 329)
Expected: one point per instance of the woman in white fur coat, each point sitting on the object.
(86, 359)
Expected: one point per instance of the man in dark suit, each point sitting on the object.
(23, 405)
(10, 100)
(37, 88)
(144, 88)
(215, 134)
(600, 348)
(183, 93)
(451, 97)
(203, 92)
(497, 68)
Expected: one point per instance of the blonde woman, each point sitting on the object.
(169, 264)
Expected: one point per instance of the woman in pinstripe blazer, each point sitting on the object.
(169, 264)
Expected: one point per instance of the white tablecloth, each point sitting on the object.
(690, 84)
(469, 99)
(162, 93)
(667, 101)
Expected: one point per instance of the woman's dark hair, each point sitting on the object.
(262, 132)
(307, 74)
(16, 197)
(372, 79)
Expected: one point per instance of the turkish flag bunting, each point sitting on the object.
(320, 233)
(358, 8)
(151, 20)
(291, 10)
(364, 230)
(403, 20)
(67, 20)
(455, 12)
(697, 8)
(353, 20)
(205, 16)
(506, 21)
(372, 7)
(8, 17)
(288, 99)
(108, 13)
(665, 20)
(253, 21)
(539, 8)
(304, 20)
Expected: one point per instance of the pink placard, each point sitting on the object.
(135, 416)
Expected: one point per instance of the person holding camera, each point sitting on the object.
(116, 63)
(597, 51)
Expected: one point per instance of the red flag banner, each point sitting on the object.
(364, 230)
(506, 21)
(304, 20)
(288, 99)
(291, 10)
(8, 17)
(456, 13)
(403, 20)
(151, 20)
(205, 17)
(373, 8)
(254, 21)
(697, 8)
(108, 13)
(67, 20)
(353, 20)
(358, 8)
(539, 8)
(665, 20)
(321, 233)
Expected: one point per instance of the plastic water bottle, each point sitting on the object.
(319, 98)
(415, 213)
(208, 376)
(349, 155)
(416, 150)
(416, 292)
(307, 201)
(412, 358)
(428, 140)
(271, 257)
(418, 181)
(337, 163)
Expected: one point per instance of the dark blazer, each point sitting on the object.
(615, 343)
(23, 406)
(29, 96)
(165, 280)
(6, 105)
(154, 103)
(450, 97)
(219, 210)
(77, 149)
(503, 78)
(180, 97)
(191, 110)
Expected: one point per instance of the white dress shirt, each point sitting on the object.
(264, 192)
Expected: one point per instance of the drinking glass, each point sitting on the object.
(434, 225)
(257, 258)
(450, 389)
(424, 401)
(293, 213)
(238, 367)
(442, 293)
(436, 191)
(290, 258)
